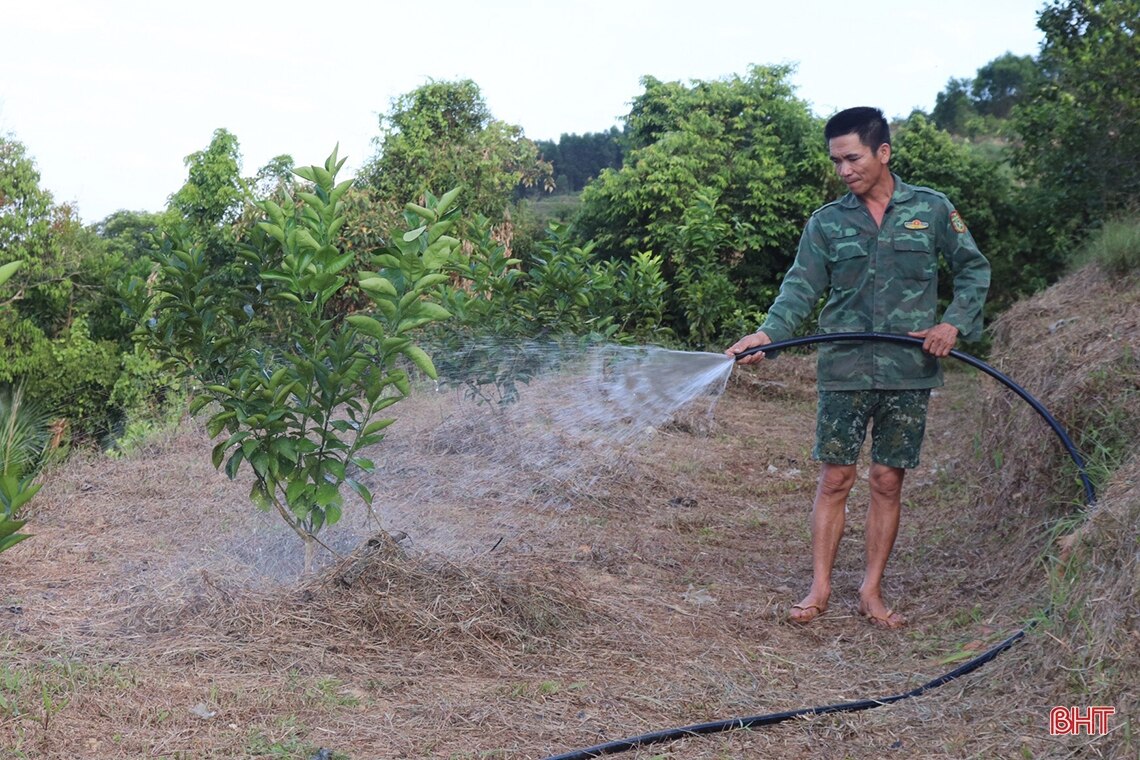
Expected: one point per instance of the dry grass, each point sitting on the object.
(1076, 348)
(554, 595)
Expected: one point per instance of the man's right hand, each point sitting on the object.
(757, 338)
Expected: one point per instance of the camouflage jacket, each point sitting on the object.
(881, 279)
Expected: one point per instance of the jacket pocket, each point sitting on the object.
(914, 258)
(850, 260)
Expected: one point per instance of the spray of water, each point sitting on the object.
(630, 392)
(512, 430)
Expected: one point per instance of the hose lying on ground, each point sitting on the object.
(674, 734)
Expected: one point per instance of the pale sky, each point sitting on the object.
(110, 96)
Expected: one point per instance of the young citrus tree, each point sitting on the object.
(23, 437)
(297, 388)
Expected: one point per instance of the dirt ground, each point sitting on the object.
(555, 595)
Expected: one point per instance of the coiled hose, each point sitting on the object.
(674, 734)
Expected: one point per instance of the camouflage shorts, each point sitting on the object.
(898, 424)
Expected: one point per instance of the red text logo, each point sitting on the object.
(1065, 721)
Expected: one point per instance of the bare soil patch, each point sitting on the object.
(555, 595)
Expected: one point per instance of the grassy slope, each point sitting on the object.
(560, 596)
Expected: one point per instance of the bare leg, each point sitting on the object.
(827, 519)
(882, 529)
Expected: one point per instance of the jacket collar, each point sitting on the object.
(903, 192)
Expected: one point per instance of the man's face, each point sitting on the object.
(856, 164)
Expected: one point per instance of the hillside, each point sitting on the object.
(558, 592)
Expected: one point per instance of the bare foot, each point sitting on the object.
(807, 610)
(879, 615)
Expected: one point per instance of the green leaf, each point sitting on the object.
(277, 377)
(365, 464)
(233, 464)
(387, 308)
(218, 454)
(274, 231)
(411, 235)
(378, 284)
(428, 280)
(335, 468)
(9, 541)
(341, 262)
(8, 527)
(447, 199)
(296, 491)
(367, 325)
(420, 358)
(387, 401)
(439, 252)
(217, 423)
(376, 426)
(432, 310)
(327, 493)
(8, 270)
(400, 380)
(393, 344)
(420, 211)
(286, 448)
(411, 324)
(361, 490)
(16, 492)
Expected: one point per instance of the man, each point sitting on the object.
(875, 252)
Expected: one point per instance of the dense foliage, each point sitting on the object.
(1080, 127)
(744, 148)
(975, 107)
(688, 215)
(577, 159)
(298, 391)
(24, 440)
(443, 135)
(60, 334)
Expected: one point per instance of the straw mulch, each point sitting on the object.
(549, 595)
(1076, 348)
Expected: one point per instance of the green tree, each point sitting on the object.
(954, 107)
(299, 404)
(1003, 83)
(1079, 127)
(40, 291)
(210, 200)
(748, 142)
(577, 159)
(211, 195)
(60, 335)
(24, 440)
(443, 135)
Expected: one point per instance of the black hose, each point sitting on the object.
(674, 734)
(1090, 492)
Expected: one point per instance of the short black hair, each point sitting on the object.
(868, 123)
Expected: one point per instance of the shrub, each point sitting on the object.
(300, 402)
(1115, 247)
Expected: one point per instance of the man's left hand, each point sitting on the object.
(938, 340)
